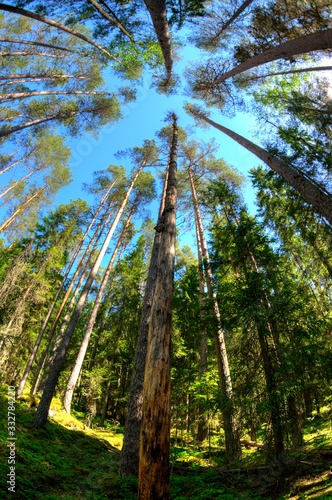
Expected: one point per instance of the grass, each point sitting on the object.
(66, 460)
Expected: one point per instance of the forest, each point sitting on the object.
(165, 280)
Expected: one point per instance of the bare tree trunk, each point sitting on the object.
(157, 11)
(42, 19)
(51, 309)
(45, 402)
(312, 193)
(88, 331)
(153, 481)
(291, 72)
(36, 44)
(129, 461)
(232, 440)
(321, 40)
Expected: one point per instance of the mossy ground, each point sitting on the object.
(68, 461)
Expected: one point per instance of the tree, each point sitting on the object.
(311, 192)
(155, 430)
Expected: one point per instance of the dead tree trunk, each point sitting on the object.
(153, 481)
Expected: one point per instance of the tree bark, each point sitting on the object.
(129, 462)
(321, 40)
(311, 192)
(45, 402)
(88, 331)
(157, 11)
(232, 440)
(112, 20)
(153, 481)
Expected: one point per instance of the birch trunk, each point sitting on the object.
(153, 480)
(45, 402)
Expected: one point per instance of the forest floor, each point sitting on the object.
(66, 460)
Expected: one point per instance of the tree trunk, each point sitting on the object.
(232, 440)
(71, 304)
(19, 161)
(202, 430)
(20, 95)
(291, 72)
(321, 40)
(42, 19)
(23, 178)
(129, 461)
(157, 11)
(105, 405)
(112, 20)
(37, 44)
(57, 116)
(310, 191)
(156, 416)
(45, 402)
(15, 214)
(57, 295)
(38, 77)
(236, 14)
(88, 331)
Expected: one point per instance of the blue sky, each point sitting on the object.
(142, 119)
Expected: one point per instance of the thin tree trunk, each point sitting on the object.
(21, 95)
(38, 44)
(45, 402)
(71, 304)
(23, 178)
(157, 11)
(42, 19)
(20, 53)
(18, 128)
(236, 14)
(232, 440)
(202, 429)
(310, 191)
(15, 214)
(57, 295)
(153, 481)
(105, 405)
(112, 20)
(291, 72)
(88, 331)
(18, 161)
(321, 40)
(129, 461)
(38, 77)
